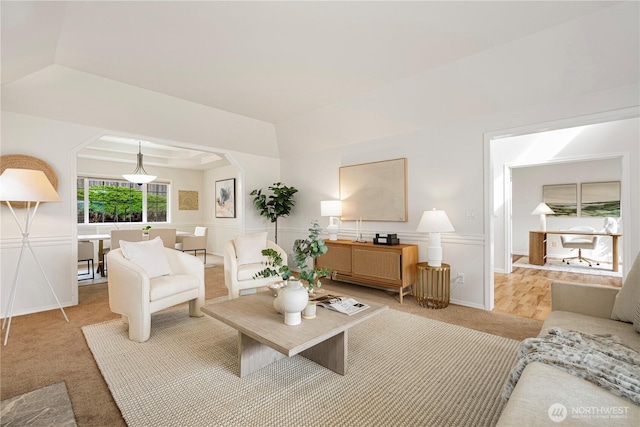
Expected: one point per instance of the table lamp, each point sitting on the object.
(25, 185)
(332, 209)
(543, 210)
(435, 222)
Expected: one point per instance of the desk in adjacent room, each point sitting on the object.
(538, 245)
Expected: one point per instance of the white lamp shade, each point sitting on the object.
(26, 185)
(435, 221)
(139, 179)
(331, 208)
(542, 209)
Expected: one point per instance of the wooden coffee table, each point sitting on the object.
(263, 337)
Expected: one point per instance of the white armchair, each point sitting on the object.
(239, 277)
(135, 296)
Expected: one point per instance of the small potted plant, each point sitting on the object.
(303, 249)
(145, 229)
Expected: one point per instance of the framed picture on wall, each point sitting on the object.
(600, 199)
(561, 198)
(226, 198)
(374, 191)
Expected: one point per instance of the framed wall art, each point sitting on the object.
(561, 198)
(374, 191)
(187, 200)
(600, 199)
(226, 198)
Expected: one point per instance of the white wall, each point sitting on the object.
(438, 120)
(603, 140)
(527, 185)
(54, 230)
(221, 229)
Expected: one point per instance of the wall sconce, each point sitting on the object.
(435, 222)
(332, 209)
(543, 210)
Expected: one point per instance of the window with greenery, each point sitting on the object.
(157, 202)
(121, 201)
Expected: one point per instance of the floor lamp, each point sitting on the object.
(30, 186)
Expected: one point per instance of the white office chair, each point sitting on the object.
(580, 242)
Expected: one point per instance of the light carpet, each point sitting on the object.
(404, 370)
(555, 264)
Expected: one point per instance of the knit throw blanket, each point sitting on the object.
(600, 359)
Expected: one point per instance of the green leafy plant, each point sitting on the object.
(311, 247)
(303, 249)
(278, 204)
(146, 228)
(274, 266)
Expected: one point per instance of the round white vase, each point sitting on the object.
(292, 300)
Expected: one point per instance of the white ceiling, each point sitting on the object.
(124, 150)
(266, 60)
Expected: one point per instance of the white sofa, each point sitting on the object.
(585, 308)
(239, 276)
(134, 295)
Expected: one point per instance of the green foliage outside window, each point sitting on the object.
(123, 202)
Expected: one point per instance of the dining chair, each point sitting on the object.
(168, 236)
(85, 253)
(196, 242)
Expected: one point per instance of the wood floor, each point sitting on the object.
(527, 292)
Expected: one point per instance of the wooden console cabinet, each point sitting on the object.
(380, 265)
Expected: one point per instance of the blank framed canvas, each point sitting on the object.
(374, 191)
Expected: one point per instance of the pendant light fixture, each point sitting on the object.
(139, 175)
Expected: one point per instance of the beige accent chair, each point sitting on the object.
(168, 236)
(580, 242)
(136, 296)
(126, 235)
(238, 277)
(85, 253)
(196, 242)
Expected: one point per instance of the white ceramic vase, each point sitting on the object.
(292, 299)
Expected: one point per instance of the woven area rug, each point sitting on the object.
(404, 370)
(555, 264)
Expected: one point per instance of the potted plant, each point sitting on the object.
(311, 247)
(145, 229)
(278, 204)
(303, 249)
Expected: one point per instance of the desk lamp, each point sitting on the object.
(332, 209)
(25, 185)
(543, 210)
(435, 222)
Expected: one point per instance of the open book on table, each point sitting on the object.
(341, 304)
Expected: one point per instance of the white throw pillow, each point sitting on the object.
(148, 255)
(627, 299)
(249, 248)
